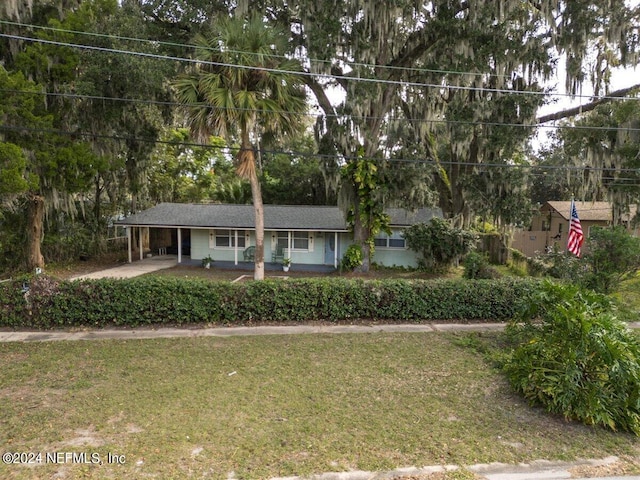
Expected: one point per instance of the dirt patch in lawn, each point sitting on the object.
(620, 466)
(64, 271)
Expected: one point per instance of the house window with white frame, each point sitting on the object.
(299, 240)
(395, 240)
(283, 240)
(227, 239)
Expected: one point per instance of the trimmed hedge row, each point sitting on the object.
(163, 300)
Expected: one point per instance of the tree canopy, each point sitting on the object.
(439, 97)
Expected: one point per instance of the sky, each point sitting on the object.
(621, 78)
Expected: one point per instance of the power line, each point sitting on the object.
(265, 69)
(429, 161)
(79, 96)
(303, 73)
(311, 60)
(322, 115)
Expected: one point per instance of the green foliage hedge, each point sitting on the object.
(576, 359)
(164, 300)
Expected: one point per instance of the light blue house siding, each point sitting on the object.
(390, 254)
(395, 257)
(303, 248)
(391, 250)
(203, 245)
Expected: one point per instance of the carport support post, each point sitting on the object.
(179, 245)
(235, 247)
(140, 242)
(129, 243)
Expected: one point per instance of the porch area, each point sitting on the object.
(248, 266)
(161, 262)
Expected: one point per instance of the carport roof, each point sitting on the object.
(276, 217)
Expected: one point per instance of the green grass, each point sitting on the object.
(273, 406)
(628, 295)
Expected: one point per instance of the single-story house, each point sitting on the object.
(550, 225)
(311, 235)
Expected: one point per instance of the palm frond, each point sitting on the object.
(237, 97)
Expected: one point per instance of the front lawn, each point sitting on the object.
(273, 406)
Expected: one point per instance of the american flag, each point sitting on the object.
(576, 237)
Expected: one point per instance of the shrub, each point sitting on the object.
(13, 301)
(536, 266)
(576, 359)
(557, 264)
(440, 244)
(613, 255)
(352, 258)
(174, 301)
(476, 265)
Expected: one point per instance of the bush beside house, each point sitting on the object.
(439, 244)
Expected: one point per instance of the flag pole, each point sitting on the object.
(570, 218)
(566, 249)
(575, 235)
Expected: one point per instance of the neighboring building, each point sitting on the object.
(550, 225)
(312, 235)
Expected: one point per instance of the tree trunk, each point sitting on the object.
(360, 237)
(256, 193)
(35, 218)
(246, 168)
(97, 214)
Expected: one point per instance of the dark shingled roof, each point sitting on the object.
(276, 217)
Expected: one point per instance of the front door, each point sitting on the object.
(329, 248)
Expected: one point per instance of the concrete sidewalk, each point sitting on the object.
(129, 270)
(165, 332)
(8, 335)
(536, 470)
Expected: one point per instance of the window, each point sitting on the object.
(283, 240)
(227, 239)
(299, 240)
(381, 241)
(393, 241)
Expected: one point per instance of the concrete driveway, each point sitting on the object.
(140, 267)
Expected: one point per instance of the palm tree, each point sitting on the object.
(243, 89)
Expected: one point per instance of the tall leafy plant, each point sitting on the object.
(576, 359)
(366, 215)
